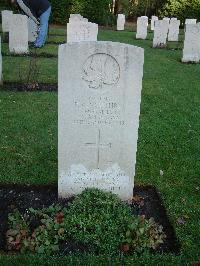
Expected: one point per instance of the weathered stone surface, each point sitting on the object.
(153, 19)
(1, 75)
(160, 33)
(142, 25)
(6, 18)
(190, 21)
(32, 30)
(99, 87)
(82, 31)
(18, 34)
(191, 50)
(121, 21)
(173, 30)
(77, 18)
(166, 19)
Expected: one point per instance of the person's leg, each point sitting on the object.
(43, 28)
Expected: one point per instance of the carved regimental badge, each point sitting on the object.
(101, 69)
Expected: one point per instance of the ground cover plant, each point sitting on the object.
(168, 145)
(99, 221)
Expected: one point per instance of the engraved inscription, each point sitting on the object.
(99, 110)
(101, 69)
(82, 32)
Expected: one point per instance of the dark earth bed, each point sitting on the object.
(24, 197)
(16, 86)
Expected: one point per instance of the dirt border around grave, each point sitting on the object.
(16, 86)
(40, 55)
(23, 197)
(48, 42)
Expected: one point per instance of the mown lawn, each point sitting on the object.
(169, 140)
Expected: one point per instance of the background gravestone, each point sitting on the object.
(121, 21)
(153, 19)
(77, 18)
(160, 33)
(142, 25)
(32, 30)
(191, 50)
(190, 21)
(82, 31)
(99, 105)
(173, 30)
(18, 34)
(6, 19)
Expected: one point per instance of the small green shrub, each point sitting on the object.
(143, 234)
(98, 220)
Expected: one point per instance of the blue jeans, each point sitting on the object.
(43, 28)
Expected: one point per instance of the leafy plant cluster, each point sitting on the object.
(98, 220)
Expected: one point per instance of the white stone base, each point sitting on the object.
(79, 178)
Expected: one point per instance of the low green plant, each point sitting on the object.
(98, 220)
(143, 234)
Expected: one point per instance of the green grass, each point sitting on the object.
(169, 140)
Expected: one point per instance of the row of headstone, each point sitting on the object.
(7, 25)
(21, 30)
(79, 29)
(99, 87)
(162, 29)
(166, 29)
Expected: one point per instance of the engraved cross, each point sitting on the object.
(99, 145)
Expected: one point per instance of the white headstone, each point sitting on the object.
(190, 21)
(82, 31)
(77, 18)
(167, 19)
(173, 30)
(142, 25)
(173, 19)
(6, 18)
(32, 30)
(160, 33)
(99, 88)
(18, 34)
(1, 75)
(191, 50)
(153, 19)
(121, 21)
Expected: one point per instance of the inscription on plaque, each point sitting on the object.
(98, 110)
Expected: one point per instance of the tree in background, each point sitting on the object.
(181, 9)
(98, 11)
(135, 8)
